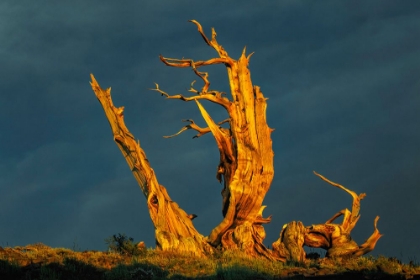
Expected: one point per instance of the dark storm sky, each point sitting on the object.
(343, 82)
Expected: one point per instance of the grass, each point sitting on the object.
(42, 262)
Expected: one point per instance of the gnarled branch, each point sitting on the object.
(370, 243)
(218, 94)
(336, 238)
(212, 96)
(184, 63)
(201, 131)
(350, 218)
(213, 42)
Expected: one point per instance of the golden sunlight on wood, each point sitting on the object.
(245, 168)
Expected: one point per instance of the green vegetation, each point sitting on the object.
(42, 262)
(124, 245)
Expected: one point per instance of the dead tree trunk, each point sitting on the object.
(173, 227)
(246, 155)
(245, 168)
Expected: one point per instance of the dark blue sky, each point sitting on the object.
(342, 78)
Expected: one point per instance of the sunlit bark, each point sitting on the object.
(173, 227)
(335, 238)
(245, 169)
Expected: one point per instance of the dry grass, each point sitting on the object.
(42, 262)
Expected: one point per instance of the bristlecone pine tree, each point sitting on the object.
(245, 168)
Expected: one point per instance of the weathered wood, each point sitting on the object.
(173, 228)
(245, 168)
(246, 155)
(335, 238)
(289, 246)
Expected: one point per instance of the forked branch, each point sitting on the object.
(201, 131)
(190, 63)
(218, 94)
(213, 96)
(213, 42)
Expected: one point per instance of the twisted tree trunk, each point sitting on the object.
(245, 168)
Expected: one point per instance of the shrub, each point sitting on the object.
(124, 245)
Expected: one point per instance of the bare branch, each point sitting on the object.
(218, 94)
(337, 215)
(200, 29)
(184, 63)
(202, 75)
(212, 43)
(192, 89)
(349, 221)
(370, 243)
(212, 96)
(192, 125)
